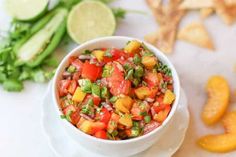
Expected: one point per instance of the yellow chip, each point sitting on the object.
(196, 33)
(196, 4)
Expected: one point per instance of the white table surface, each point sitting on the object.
(20, 113)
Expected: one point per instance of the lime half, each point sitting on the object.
(90, 19)
(26, 9)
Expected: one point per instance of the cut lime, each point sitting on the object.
(90, 19)
(26, 9)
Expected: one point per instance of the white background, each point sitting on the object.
(20, 113)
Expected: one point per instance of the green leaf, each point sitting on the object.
(87, 52)
(38, 76)
(12, 85)
(51, 62)
(129, 74)
(119, 13)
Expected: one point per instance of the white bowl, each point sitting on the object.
(109, 147)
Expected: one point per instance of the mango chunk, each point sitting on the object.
(132, 46)
(126, 120)
(229, 122)
(124, 104)
(149, 61)
(218, 143)
(169, 97)
(218, 100)
(86, 127)
(98, 54)
(142, 92)
(78, 95)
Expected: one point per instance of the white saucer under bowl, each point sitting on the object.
(64, 146)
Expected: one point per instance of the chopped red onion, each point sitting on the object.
(86, 116)
(107, 106)
(84, 57)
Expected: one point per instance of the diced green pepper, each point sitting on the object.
(107, 70)
(71, 69)
(113, 99)
(147, 119)
(135, 131)
(138, 72)
(137, 59)
(96, 90)
(104, 92)
(129, 74)
(86, 85)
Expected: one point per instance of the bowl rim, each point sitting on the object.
(159, 54)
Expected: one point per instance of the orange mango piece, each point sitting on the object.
(218, 143)
(218, 99)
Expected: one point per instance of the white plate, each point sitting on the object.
(64, 146)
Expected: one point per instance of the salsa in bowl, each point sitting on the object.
(115, 95)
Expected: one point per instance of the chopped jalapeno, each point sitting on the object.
(85, 85)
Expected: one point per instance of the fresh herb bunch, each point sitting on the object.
(12, 75)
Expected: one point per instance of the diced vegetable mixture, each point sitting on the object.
(116, 94)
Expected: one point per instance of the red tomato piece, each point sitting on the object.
(112, 124)
(150, 126)
(153, 93)
(72, 58)
(68, 109)
(151, 79)
(76, 75)
(104, 115)
(63, 87)
(97, 126)
(75, 117)
(96, 99)
(162, 115)
(72, 87)
(78, 64)
(136, 112)
(91, 71)
(116, 54)
(101, 134)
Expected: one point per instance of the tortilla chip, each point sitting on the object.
(225, 11)
(205, 12)
(196, 33)
(230, 2)
(196, 4)
(168, 17)
(151, 38)
(153, 4)
(166, 38)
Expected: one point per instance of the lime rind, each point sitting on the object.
(27, 10)
(90, 19)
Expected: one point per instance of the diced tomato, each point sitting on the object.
(72, 87)
(63, 87)
(72, 58)
(116, 54)
(128, 132)
(68, 109)
(75, 117)
(151, 79)
(96, 99)
(78, 64)
(150, 126)
(91, 71)
(97, 126)
(153, 93)
(112, 124)
(76, 75)
(104, 115)
(101, 134)
(162, 115)
(136, 112)
(118, 85)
